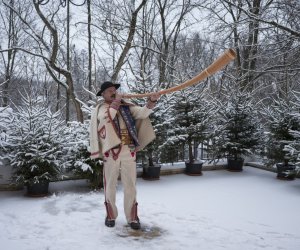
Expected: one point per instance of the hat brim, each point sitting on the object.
(116, 85)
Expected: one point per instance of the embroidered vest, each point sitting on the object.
(129, 122)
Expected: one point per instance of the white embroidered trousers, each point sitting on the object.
(125, 166)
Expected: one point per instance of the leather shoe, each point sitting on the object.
(109, 223)
(136, 225)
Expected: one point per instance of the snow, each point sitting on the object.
(219, 210)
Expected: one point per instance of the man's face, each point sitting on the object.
(109, 94)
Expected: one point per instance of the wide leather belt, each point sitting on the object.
(125, 137)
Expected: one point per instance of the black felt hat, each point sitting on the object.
(107, 85)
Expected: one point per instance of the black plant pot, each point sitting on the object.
(286, 171)
(193, 168)
(96, 180)
(235, 165)
(39, 189)
(151, 173)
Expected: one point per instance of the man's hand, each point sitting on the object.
(117, 101)
(118, 97)
(154, 97)
(152, 100)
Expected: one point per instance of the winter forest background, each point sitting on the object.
(56, 53)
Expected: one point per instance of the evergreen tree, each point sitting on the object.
(237, 129)
(283, 123)
(34, 143)
(294, 147)
(191, 113)
(77, 156)
(162, 123)
(6, 119)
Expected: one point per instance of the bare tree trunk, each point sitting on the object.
(195, 149)
(128, 41)
(275, 24)
(68, 62)
(247, 54)
(57, 98)
(250, 51)
(170, 36)
(9, 65)
(165, 44)
(95, 70)
(52, 66)
(89, 47)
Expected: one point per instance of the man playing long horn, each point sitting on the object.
(118, 130)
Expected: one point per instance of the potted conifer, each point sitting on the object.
(151, 172)
(151, 167)
(34, 147)
(76, 156)
(283, 138)
(90, 169)
(237, 130)
(150, 155)
(191, 125)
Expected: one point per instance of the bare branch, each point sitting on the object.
(28, 25)
(51, 29)
(54, 76)
(128, 42)
(272, 23)
(26, 51)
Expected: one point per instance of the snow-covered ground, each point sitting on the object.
(219, 210)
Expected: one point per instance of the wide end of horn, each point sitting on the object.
(231, 53)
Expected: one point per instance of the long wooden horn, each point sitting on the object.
(217, 65)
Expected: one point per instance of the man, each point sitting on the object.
(118, 130)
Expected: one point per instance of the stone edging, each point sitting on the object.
(260, 166)
(264, 167)
(170, 171)
(10, 187)
(165, 171)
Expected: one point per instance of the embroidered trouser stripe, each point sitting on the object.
(109, 210)
(134, 215)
